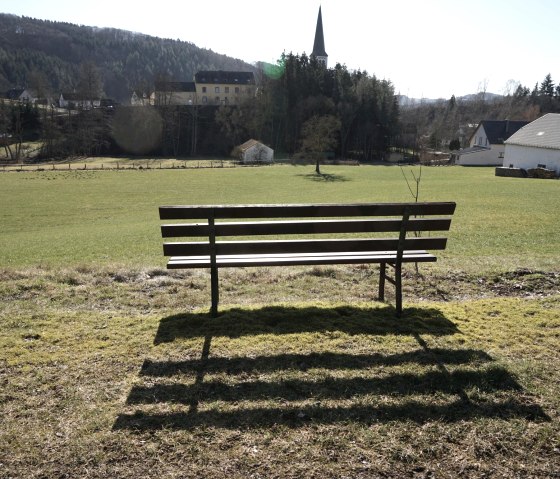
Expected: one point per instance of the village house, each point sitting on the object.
(25, 95)
(139, 99)
(173, 93)
(535, 146)
(73, 101)
(486, 145)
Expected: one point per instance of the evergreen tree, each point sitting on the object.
(547, 87)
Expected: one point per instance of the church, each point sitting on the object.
(319, 44)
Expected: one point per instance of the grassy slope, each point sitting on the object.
(86, 217)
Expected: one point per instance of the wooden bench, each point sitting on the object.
(307, 234)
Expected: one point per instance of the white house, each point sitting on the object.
(486, 146)
(536, 145)
(254, 151)
(25, 95)
(72, 100)
(139, 99)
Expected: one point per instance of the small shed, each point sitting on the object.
(254, 152)
(536, 145)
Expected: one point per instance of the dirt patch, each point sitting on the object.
(458, 285)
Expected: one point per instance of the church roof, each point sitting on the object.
(319, 43)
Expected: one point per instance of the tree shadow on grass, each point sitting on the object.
(324, 177)
(297, 400)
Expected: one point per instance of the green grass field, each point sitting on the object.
(103, 217)
(111, 367)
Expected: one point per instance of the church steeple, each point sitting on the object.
(319, 43)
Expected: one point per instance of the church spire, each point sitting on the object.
(319, 43)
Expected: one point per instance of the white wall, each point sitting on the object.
(479, 137)
(489, 157)
(529, 157)
(259, 153)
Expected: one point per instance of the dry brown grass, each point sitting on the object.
(120, 373)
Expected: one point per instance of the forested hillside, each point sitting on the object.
(47, 55)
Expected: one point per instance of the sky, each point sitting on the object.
(426, 48)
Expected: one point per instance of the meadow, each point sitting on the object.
(102, 217)
(111, 367)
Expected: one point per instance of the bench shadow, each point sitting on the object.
(445, 381)
(294, 417)
(238, 322)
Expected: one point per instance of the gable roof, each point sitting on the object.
(544, 132)
(227, 77)
(498, 131)
(249, 144)
(319, 43)
(14, 93)
(182, 86)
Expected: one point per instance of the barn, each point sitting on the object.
(536, 145)
(254, 151)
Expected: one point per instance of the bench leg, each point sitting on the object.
(382, 272)
(215, 291)
(398, 289)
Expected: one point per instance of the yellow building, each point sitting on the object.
(218, 87)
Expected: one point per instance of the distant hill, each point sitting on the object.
(408, 101)
(33, 49)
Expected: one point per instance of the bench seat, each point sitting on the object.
(294, 259)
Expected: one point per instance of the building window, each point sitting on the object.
(217, 89)
(237, 89)
(226, 101)
(217, 99)
(226, 89)
(501, 154)
(204, 99)
(203, 89)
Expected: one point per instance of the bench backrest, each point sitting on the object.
(406, 220)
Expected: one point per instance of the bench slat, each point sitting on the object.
(305, 210)
(302, 246)
(304, 227)
(225, 261)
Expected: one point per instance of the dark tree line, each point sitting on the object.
(362, 110)
(301, 108)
